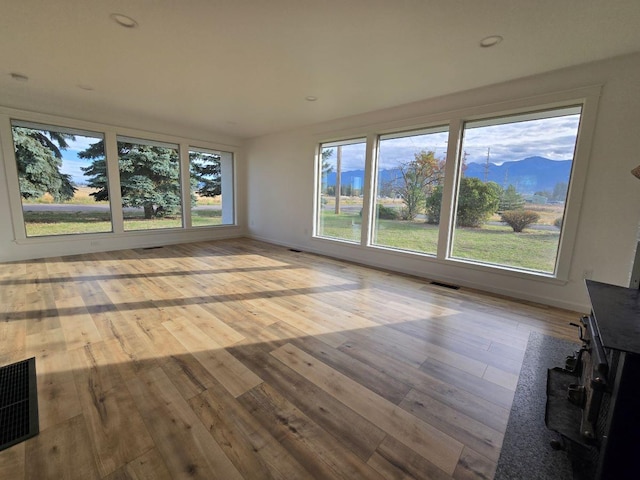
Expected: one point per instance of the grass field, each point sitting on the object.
(494, 244)
(65, 223)
(68, 221)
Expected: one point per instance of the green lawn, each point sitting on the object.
(414, 236)
(64, 223)
(494, 244)
(346, 226)
(531, 249)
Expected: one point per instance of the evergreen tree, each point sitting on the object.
(97, 171)
(511, 199)
(205, 174)
(39, 158)
(149, 177)
(327, 168)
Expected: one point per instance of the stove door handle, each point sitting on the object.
(579, 327)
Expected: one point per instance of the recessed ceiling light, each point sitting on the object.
(19, 77)
(123, 20)
(490, 41)
(84, 86)
(311, 98)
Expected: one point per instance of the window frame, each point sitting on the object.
(14, 122)
(228, 186)
(110, 133)
(143, 141)
(364, 227)
(491, 120)
(587, 97)
(404, 133)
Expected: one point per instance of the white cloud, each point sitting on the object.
(552, 138)
(71, 163)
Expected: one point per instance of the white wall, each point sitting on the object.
(14, 246)
(280, 185)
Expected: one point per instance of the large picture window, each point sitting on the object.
(410, 169)
(57, 173)
(496, 191)
(82, 178)
(339, 213)
(149, 184)
(211, 187)
(514, 180)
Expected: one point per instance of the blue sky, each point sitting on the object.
(552, 138)
(71, 163)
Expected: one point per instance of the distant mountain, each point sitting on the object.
(529, 175)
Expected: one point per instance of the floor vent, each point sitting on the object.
(18, 403)
(445, 285)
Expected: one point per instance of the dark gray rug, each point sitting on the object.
(526, 453)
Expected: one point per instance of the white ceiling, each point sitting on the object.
(244, 67)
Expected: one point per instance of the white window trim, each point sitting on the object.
(112, 134)
(364, 227)
(228, 182)
(587, 97)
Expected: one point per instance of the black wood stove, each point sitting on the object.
(594, 400)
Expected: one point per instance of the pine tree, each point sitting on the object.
(205, 174)
(511, 199)
(149, 177)
(39, 158)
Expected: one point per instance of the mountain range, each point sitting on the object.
(529, 175)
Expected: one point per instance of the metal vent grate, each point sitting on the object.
(18, 403)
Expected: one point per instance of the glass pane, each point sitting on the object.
(410, 172)
(511, 199)
(211, 188)
(62, 177)
(341, 189)
(150, 184)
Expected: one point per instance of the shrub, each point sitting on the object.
(519, 219)
(477, 201)
(558, 222)
(387, 213)
(404, 214)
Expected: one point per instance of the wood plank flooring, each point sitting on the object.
(242, 360)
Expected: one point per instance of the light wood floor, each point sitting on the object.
(238, 359)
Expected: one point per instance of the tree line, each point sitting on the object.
(149, 175)
(421, 190)
(420, 187)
